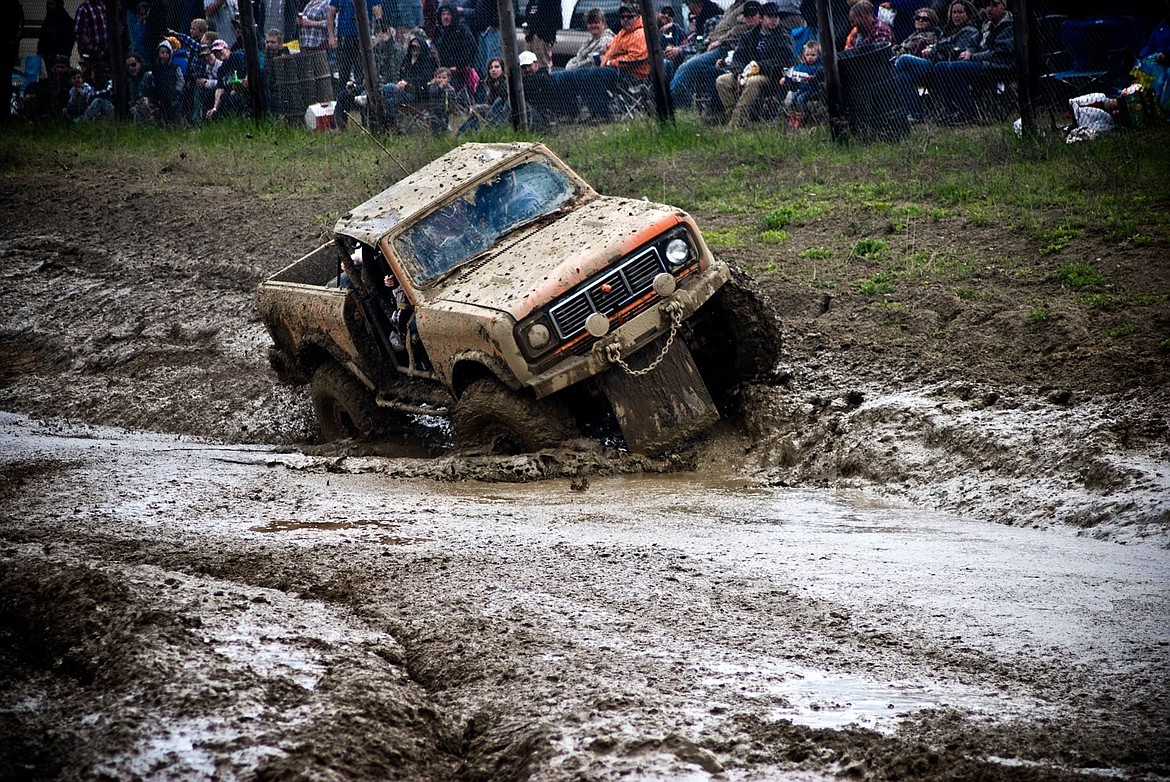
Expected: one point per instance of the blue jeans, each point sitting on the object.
(953, 81)
(910, 71)
(695, 76)
(591, 85)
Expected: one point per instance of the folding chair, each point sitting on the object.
(23, 78)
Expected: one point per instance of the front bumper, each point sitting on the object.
(633, 335)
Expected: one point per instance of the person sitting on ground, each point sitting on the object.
(589, 53)
(627, 56)
(494, 84)
(807, 83)
(757, 64)
(695, 78)
(163, 88)
(418, 69)
(80, 94)
(101, 104)
(440, 101)
(926, 33)
(993, 57)
(541, 97)
(867, 30)
(672, 33)
(960, 33)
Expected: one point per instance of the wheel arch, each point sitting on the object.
(470, 367)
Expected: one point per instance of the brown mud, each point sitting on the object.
(140, 640)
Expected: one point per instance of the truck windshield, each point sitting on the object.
(449, 237)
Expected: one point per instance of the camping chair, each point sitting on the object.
(23, 78)
(1096, 57)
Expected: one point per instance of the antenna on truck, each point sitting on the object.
(382, 146)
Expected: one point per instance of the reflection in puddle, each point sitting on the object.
(396, 541)
(288, 525)
(817, 699)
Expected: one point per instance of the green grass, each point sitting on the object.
(901, 209)
(1079, 275)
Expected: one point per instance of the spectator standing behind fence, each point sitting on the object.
(758, 65)
(218, 14)
(456, 47)
(91, 29)
(342, 35)
(695, 78)
(541, 97)
(542, 19)
(992, 58)
(589, 53)
(313, 24)
(926, 33)
(57, 34)
(960, 33)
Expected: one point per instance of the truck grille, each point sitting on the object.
(608, 293)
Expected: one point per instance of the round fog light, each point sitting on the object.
(664, 284)
(677, 252)
(597, 324)
(538, 336)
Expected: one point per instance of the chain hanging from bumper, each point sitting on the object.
(613, 351)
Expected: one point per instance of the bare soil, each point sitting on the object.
(129, 303)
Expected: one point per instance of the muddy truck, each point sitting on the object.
(496, 288)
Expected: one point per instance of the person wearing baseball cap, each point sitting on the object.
(758, 64)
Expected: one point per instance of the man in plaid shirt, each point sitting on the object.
(89, 24)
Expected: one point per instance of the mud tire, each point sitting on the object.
(735, 338)
(345, 408)
(493, 418)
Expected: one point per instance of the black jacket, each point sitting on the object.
(455, 45)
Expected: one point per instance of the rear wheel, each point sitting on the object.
(345, 408)
(494, 418)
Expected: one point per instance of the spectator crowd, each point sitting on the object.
(442, 63)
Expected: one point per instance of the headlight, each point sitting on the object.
(538, 336)
(677, 252)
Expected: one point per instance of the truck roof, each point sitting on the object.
(400, 202)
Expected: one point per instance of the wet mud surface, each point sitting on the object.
(910, 558)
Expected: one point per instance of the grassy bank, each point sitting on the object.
(978, 214)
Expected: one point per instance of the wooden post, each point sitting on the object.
(658, 84)
(117, 59)
(252, 57)
(373, 94)
(836, 107)
(512, 64)
(1027, 40)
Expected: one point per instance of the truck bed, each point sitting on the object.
(305, 312)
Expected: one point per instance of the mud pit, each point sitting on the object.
(818, 591)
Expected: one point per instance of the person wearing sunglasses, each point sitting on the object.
(926, 33)
(913, 71)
